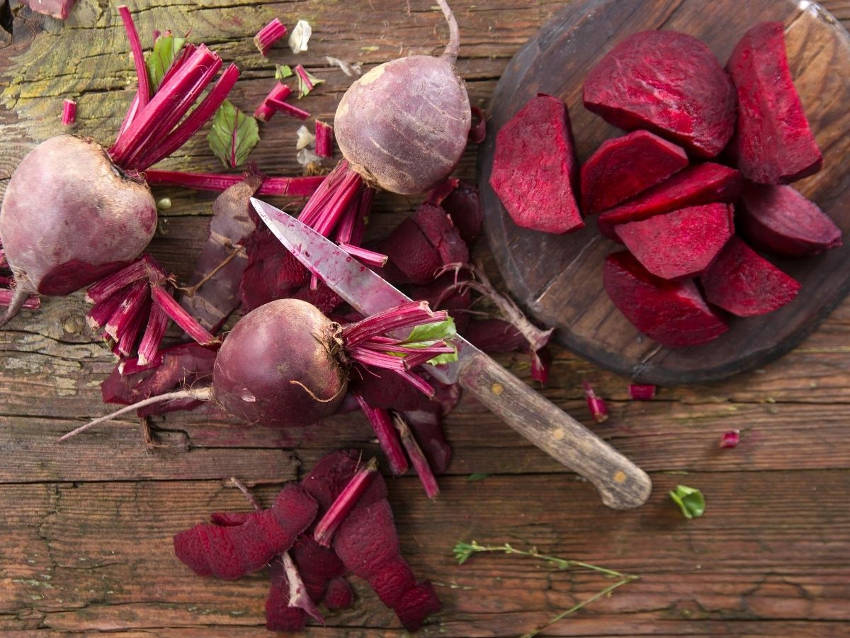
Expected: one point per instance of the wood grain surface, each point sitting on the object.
(85, 543)
(559, 277)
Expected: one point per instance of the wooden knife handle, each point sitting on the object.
(620, 482)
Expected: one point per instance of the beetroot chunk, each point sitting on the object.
(535, 170)
(339, 594)
(669, 83)
(773, 143)
(780, 220)
(625, 166)
(679, 244)
(745, 284)
(702, 184)
(671, 312)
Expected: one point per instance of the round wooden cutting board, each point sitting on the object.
(558, 278)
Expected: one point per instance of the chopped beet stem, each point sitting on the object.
(324, 139)
(344, 503)
(730, 439)
(69, 112)
(387, 436)
(143, 268)
(154, 332)
(279, 92)
(31, 302)
(181, 317)
(131, 332)
(641, 391)
(195, 394)
(144, 93)
(417, 458)
(289, 109)
(596, 404)
(131, 365)
(101, 311)
(130, 306)
(281, 186)
(268, 35)
(205, 110)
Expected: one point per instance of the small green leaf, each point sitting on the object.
(165, 49)
(426, 334)
(233, 135)
(283, 71)
(689, 499)
(477, 477)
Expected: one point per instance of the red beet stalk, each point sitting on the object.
(268, 35)
(69, 112)
(276, 186)
(417, 458)
(288, 108)
(641, 392)
(379, 419)
(343, 504)
(265, 111)
(596, 404)
(730, 439)
(324, 139)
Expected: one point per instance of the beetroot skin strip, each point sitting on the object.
(387, 436)
(279, 186)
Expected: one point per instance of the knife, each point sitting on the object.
(621, 484)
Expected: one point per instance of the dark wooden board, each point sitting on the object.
(558, 278)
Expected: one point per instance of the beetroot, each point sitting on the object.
(403, 125)
(625, 166)
(745, 284)
(535, 170)
(679, 244)
(231, 551)
(773, 143)
(669, 83)
(671, 312)
(780, 220)
(74, 212)
(702, 184)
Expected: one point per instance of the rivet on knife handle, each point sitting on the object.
(620, 482)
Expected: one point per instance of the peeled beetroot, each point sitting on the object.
(625, 166)
(669, 83)
(231, 551)
(535, 170)
(781, 220)
(745, 284)
(702, 184)
(773, 143)
(679, 244)
(673, 313)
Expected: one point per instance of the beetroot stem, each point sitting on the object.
(343, 504)
(417, 458)
(196, 394)
(280, 186)
(128, 336)
(29, 302)
(387, 437)
(109, 285)
(406, 315)
(368, 257)
(289, 109)
(268, 35)
(144, 93)
(265, 111)
(69, 112)
(181, 317)
(324, 139)
(154, 332)
(130, 306)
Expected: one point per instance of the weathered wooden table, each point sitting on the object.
(85, 546)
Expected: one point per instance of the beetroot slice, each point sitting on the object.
(679, 244)
(671, 312)
(702, 184)
(773, 143)
(535, 170)
(669, 83)
(780, 220)
(745, 284)
(625, 166)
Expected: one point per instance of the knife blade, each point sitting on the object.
(620, 482)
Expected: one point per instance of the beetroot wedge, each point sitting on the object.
(742, 282)
(624, 166)
(682, 243)
(535, 170)
(671, 312)
(780, 220)
(702, 184)
(669, 83)
(773, 143)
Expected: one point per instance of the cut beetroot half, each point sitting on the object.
(625, 166)
(671, 312)
(682, 243)
(669, 83)
(702, 184)
(773, 143)
(535, 170)
(780, 220)
(742, 282)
